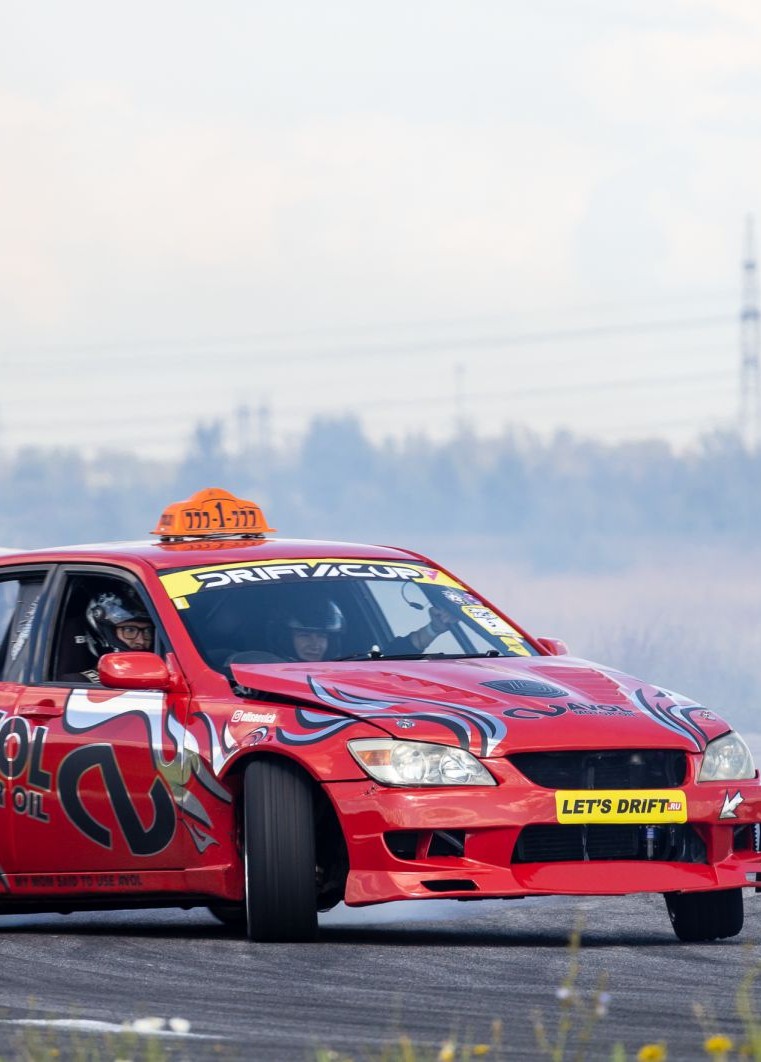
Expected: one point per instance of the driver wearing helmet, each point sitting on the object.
(116, 623)
(310, 633)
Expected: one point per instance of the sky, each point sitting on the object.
(425, 213)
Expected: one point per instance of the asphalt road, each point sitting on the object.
(426, 970)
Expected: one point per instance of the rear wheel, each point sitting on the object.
(705, 915)
(281, 883)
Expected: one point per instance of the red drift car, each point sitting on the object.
(268, 727)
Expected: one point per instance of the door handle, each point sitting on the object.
(45, 709)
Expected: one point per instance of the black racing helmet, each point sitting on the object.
(108, 611)
(314, 617)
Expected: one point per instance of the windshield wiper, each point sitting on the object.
(377, 654)
(446, 656)
(472, 656)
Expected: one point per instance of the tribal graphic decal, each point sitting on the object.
(85, 713)
(678, 718)
(469, 725)
(222, 747)
(317, 727)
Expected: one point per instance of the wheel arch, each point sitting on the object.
(330, 840)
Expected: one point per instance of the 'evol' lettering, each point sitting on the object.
(21, 752)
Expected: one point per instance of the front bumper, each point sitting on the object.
(486, 824)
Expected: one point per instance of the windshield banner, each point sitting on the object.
(183, 584)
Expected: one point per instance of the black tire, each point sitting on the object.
(232, 914)
(705, 915)
(280, 865)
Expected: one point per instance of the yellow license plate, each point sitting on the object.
(621, 805)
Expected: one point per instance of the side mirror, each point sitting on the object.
(134, 671)
(554, 646)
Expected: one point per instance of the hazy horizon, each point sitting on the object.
(422, 213)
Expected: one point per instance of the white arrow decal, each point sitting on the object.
(728, 810)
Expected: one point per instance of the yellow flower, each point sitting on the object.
(652, 1053)
(718, 1044)
(481, 1049)
(408, 1051)
(446, 1054)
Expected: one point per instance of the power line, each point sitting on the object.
(150, 444)
(415, 401)
(437, 346)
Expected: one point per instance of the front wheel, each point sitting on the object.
(281, 882)
(705, 915)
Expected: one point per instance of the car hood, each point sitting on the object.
(492, 706)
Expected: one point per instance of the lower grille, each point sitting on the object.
(745, 838)
(566, 844)
(406, 844)
(603, 769)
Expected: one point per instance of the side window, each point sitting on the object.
(8, 595)
(98, 614)
(19, 599)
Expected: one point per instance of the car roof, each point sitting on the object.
(162, 555)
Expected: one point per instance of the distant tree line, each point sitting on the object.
(562, 503)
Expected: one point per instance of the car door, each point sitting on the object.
(108, 760)
(20, 596)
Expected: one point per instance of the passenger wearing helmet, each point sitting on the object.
(116, 623)
(310, 633)
(439, 620)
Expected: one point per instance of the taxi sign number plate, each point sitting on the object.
(621, 805)
(211, 512)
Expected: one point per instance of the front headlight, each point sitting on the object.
(395, 762)
(727, 759)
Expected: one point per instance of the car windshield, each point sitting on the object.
(333, 609)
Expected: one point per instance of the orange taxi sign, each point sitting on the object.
(211, 512)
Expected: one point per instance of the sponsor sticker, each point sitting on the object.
(515, 645)
(498, 627)
(455, 596)
(252, 717)
(489, 620)
(643, 807)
